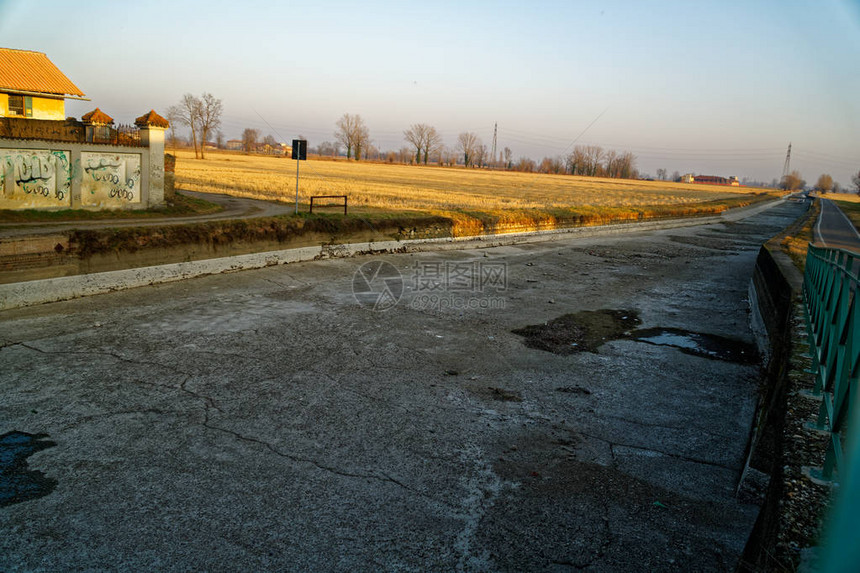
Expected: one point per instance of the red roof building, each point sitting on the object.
(32, 86)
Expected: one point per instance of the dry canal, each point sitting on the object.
(267, 420)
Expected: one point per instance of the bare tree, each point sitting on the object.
(613, 164)
(353, 134)
(661, 174)
(174, 117)
(219, 139)
(627, 166)
(593, 157)
(856, 181)
(404, 155)
(432, 143)
(416, 134)
(576, 161)
(551, 165)
(202, 115)
(445, 155)
(825, 183)
(481, 154)
(792, 182)
(210, 118)
(249, 139)
(424, 138)
(525, 165)
(187, 113)
(509, 158)
(676, 176)
(467, 143)
(328, 148)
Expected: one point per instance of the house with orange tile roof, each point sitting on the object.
(51, 162)
(31, 86)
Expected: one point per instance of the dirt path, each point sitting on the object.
(234, 208)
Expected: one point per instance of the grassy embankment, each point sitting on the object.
(475, 200)
(795, 239)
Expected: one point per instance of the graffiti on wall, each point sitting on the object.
(110, 179)
(34, 178)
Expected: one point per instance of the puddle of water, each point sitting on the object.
(579, 332)
(17, 482)
(586, 331)
(699, 344)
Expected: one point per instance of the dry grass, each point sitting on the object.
(446, 190)
(841, 197)
(797, 237)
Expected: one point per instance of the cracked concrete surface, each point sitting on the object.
(264, 420)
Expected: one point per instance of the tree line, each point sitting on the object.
(425, 146)
(202, 115)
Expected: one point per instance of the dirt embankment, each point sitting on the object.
(99, 249)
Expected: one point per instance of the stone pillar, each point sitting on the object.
(153, 138)
(152, 128)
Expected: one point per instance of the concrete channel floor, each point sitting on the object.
(265, 420)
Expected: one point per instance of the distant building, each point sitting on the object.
(710, 180)
(234, 144)
(31, 86)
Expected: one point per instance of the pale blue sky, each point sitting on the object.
(706, 87)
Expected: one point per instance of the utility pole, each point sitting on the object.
(495, 136)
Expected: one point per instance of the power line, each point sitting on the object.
(584, 130)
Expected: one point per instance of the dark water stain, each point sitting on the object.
(699, 344)
(579, 332)
(586, 331)
(504, 395)
(713, 243)
(17, 482)
(574, 390)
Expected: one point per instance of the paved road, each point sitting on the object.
(265, 420)
(234, 208)
(834, 229)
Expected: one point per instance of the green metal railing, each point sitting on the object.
(830, 286)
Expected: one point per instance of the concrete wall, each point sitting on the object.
(774, 290)
(53, 175)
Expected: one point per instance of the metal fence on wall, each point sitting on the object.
(830, 288)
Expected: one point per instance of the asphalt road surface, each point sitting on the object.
(271, 420)
(834, 229)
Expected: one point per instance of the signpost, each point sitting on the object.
(300, 153)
